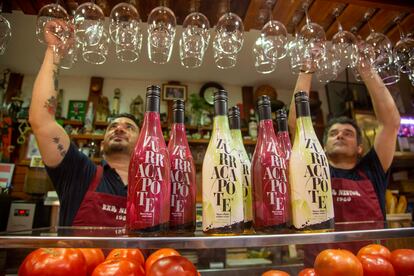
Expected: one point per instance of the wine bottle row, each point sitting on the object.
(280, 188)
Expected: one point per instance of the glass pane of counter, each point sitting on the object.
(106, 237)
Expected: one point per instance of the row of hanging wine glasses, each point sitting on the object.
(85, 33)
(308, 51)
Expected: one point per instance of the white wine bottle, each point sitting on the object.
(309, 177)
(221, 174)
(234, 119)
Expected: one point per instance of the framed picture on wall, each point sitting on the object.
(77, 110)
(344, 97)
(174, 92)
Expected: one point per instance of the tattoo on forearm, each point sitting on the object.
(51, 105)
(55, 78)
(60, 148)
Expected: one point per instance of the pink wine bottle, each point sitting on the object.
(270, 178)
(283, 133)
(183, 175)
(148, 203)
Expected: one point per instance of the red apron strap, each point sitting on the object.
(96, 179)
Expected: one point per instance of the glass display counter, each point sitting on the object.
(279, 245)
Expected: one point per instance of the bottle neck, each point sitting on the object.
(234, 123)
(282, 125)
(152, 123)
(265, 113)
(237, 136)
(266, 128)
(220, 125)
(178, 134)
(302, 109)
(220, 108)
(178, 117)
(152, 104)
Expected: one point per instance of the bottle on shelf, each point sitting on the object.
(222, 185)
(270, 176)
(309, 177)
(252, 125)
(234, 119)
(149, 186)
(283, 133)
(89, 119)
(183, 175)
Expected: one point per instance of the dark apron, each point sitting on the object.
(100, 209)
(354, 200)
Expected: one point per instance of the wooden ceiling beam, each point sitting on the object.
(379, 22)
(321, 12)
(348, 18)
(251, 20)
(399, 5)
(407, 26)
(284, 10)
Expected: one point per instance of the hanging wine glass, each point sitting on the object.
(328, 66)
(194, 40)
(5, 32)
(344, 46)
(275, 33)
(161, 34)
(403, 52)
(265, 55)
(229, 33)
(312, 37)
(124, 24)
(382, 47)
(56, 14)
(89, 23)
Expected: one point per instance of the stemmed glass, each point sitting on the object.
(228, 40)
(194, 40)
(125, 31)
(312, 41)
(403, 52)
(5, 32)
(382, 47)
(59, 28)
(161, 34)
(328, 66)
(270, 46)
(344, 46)
(89, 23)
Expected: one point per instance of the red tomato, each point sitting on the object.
(53, 261)
(131, 254)
(119, 267)
(93, 257)
(172, 265)
(160, 253)
(307, 272)
(403, 261)
(275, 273)
(375, 249)
(337, 262)
(375, 265)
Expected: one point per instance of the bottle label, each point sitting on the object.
(182, 186)
(311, 185)
(272, 208)
(149, 186)
(247, 188)
(222, 188)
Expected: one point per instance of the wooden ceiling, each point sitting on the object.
(352, 14)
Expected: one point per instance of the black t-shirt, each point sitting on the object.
(72, 177)
(371, 166)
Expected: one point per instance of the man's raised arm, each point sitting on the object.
(51, 138)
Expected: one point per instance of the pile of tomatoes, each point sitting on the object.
(92, 261)
(371, 260)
